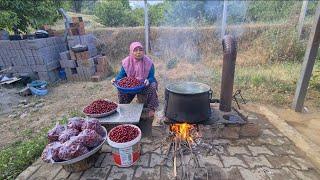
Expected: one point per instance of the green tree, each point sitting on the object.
(184, 12)
(271, 11)
(24, 14)
(135, 17)
(77, 5)
(156, 13)
(113, 13)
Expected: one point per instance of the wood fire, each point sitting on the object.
(183, 131)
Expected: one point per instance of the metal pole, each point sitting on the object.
(224, 19)
(146, 27)
(301, 17)
(308, 63)
(229, 45)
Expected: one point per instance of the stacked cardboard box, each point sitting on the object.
(88, 39)
(81, 67)
(76, 27)
(50, 31)
(103, 69)
(39, 56)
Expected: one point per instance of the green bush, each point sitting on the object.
(118, 13)
(271, 11)
(8, 19)
(281, 45)
(315, 79)
(111, 13)
(156, 13)
(189, 13)
(26, 14)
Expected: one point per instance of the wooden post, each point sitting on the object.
(308, 63)
(224, 19)
(146, 27)
(301, 17)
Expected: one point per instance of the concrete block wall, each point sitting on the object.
(40, 56)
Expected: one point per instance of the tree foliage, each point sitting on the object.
(24, 14)
(156, 13)
(113, 13)
(269, 11)
(193, 13)
(184, 12)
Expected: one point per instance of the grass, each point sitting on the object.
(270, 84)
(273, 83)
(18, 156)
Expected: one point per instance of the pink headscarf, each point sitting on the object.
(134, 67)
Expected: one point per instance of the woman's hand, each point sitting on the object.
(113, 80)
(146, 82)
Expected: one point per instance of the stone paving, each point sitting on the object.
(269, 156)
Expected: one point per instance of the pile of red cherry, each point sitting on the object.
(123, 133)
(100, 106)
(129, 82)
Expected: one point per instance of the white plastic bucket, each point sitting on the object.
(125, 154)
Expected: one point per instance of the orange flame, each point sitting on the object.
(183, 131)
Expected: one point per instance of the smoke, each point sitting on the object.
(180, 41)
(235, 16)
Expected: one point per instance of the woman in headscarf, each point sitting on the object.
(141, 67)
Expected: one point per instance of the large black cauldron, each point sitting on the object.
(188, 102)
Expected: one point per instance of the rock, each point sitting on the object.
(24, 101)
(34, 109)
(32, 104)
(25, 92)
(40, 100)
(39, 105)
(12, 116)
(26, 106)
(23, 115)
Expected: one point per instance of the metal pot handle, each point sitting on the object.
(210, 94)
(166, 95)
(210, 98)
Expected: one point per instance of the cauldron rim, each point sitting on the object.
(188, 88)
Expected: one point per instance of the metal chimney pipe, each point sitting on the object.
(229, 45)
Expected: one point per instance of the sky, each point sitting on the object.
(136, 4)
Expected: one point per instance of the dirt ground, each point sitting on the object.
(23, 117)
(63, 100)
(306, 123)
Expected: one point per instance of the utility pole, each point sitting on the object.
(224, 19)
(146, 27)
(301, 17)
(308, 63)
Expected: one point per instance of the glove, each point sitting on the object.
(146, 82)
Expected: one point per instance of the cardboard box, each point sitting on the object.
(72, 55)
(82, 55)
(86, 62)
